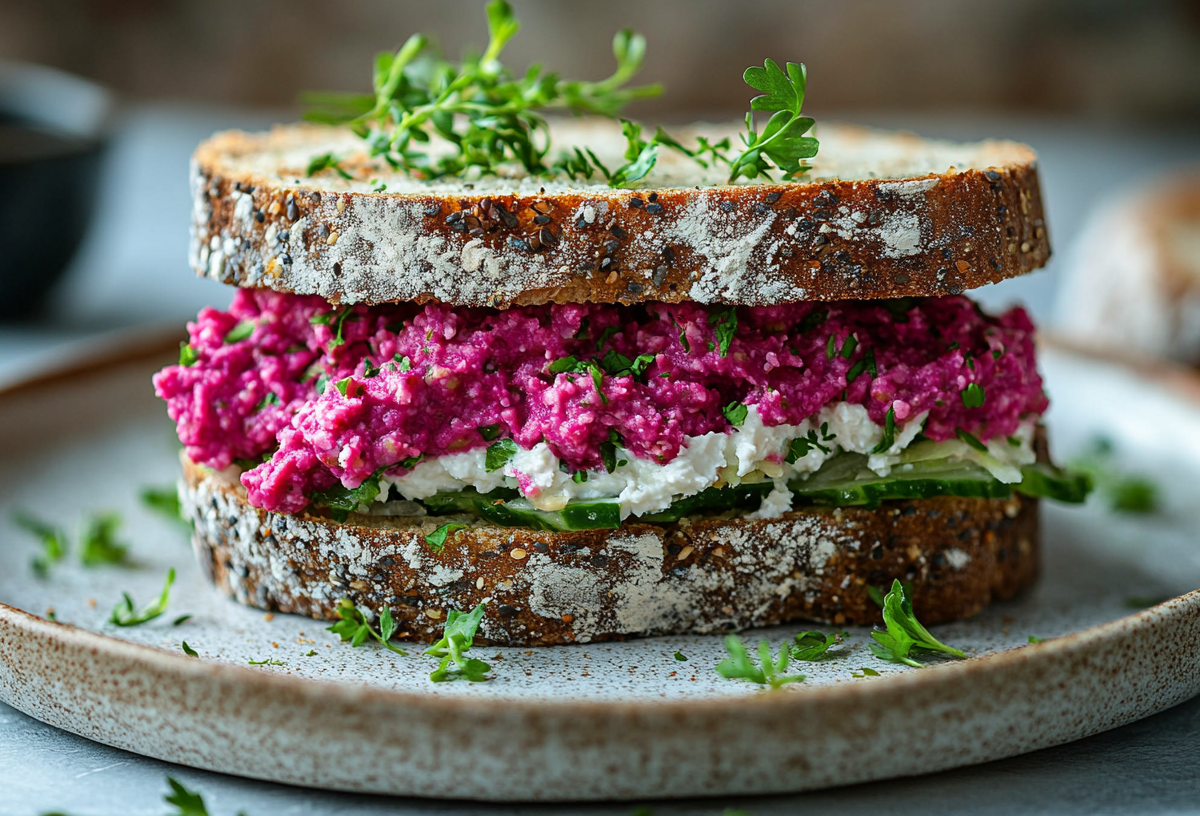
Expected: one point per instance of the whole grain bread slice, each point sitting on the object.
(699, 575)
(880, 215)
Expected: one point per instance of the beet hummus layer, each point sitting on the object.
(305, 394)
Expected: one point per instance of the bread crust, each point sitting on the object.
(709, 575)
(258, 221)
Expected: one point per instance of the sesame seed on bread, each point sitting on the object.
(880, 215)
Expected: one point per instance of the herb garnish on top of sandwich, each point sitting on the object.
(717, 400)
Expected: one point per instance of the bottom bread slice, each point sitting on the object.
(698, 575)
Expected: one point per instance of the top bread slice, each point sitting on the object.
(880, 215)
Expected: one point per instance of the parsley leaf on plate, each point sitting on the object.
(187, 802)
(53, 540)
(164, 501)
(770, 672)
(456, 638)
(98, 541)
(904, 633)
(813, 645)
(124, 613)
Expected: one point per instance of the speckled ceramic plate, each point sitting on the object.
(599, 721)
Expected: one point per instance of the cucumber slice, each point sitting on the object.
(505, 508)
(852, 483)
(1043, 480)
(716, 499)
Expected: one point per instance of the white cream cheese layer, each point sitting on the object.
(752, 452)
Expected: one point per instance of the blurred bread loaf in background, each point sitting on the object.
(1132, 282)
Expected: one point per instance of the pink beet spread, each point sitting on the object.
(474, 368)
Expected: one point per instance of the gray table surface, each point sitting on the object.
(131, 274)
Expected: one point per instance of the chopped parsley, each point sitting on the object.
(973, 396)
(498, 454)
(1036, 639)
(343, 385)
(680, 656)
(188, 803)
(240, 332)
(683, 341)
(971, 440)
(770, 671)
(188, 356)
(456, 639)
(353, 628)
(437, 539)
(889, 433)
(269, 399)
(490, 432)
(268, 662)
(188, 650)
(849, 346)
(814, 319)
(865, 671)
(801, 446)
(735, 413)
(608, 450)
(725, 328)
(904, 634)
(124, 613)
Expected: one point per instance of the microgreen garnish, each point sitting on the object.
(889, 433)
(680, 656)
(343, 385)
(456, 638)
(970, 439)
(240, 332)
(726, 327)
(490, 432)
(336, 319)
(973, 396)
(268, 662)
(369, 368)
(98, 541)
(124, 614)
(740, 666)
(402, 362)
(904, 632)
(341, 500)
(735, 413)
(563, 365)
(326, 161)
(437, 539)
(187, 355)
(486, 115)
(269, 399)
(188, 650)
(354, 629)
(1124, 492)
(53, 540)
(498, 454)
(813, 645)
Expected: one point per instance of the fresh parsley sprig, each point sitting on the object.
(125, 614)
(904, 633)
(782, 141)
(488, 116)
(814, 645)
(354, 629)
(457, 637)
(740, 666)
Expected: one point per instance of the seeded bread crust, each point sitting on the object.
(545, 588)
(881, 215)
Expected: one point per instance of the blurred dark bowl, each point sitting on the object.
(53, 129)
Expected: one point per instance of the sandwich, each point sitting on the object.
(607, 384)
